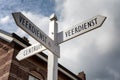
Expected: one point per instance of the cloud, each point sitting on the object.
(20, 32)
(44, 7)
(114, 73)
(37, 11)
(95, 50)
(4, 20)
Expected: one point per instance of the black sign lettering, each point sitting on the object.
(26, 24)
(81, 27)
(76, 29)
(20, 19)
(32, 49)
(32, 28)
(66, 34)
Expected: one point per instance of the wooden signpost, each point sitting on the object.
(52, 41)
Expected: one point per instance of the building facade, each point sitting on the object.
(32, 68)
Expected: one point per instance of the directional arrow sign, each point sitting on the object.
(81, 28)
(29, 51)
(36, 33)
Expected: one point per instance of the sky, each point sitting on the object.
(96, 52)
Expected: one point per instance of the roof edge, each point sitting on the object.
(6, 36)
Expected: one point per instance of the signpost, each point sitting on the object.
(25, 24)
(52, 41)
(30, 51)
(53, 59)
(80, 28)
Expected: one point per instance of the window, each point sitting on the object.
(34, 75)
(32, 78)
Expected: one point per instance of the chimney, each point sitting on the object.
(82, 75)
(25, 39)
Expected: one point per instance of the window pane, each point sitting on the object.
(32, 78)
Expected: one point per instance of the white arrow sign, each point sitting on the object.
(29, 51)
(81, 28)
(36, 33)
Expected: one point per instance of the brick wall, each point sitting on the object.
(6, 51)
(12, 69)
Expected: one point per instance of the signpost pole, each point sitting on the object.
(53, 59)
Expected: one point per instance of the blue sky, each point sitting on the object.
(96, 53)
(44, 7)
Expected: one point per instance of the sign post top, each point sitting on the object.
(53, 17)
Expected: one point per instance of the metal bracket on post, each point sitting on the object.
(53, 59)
